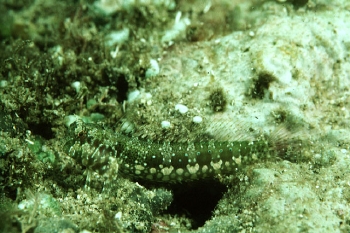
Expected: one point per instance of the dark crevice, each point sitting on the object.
(261, 85)
(123, 87)
(42, 129)
(117, 79)
(196, 200)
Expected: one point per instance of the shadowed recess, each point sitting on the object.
(196, 200)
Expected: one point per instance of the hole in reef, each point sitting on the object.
(10, 191)
(261, 85)
(196, 200)
(42, 129)
(123, 87)
(116, 79)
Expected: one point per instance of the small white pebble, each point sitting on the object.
(197, 119)
(84, 231)
(148, 95)
(181, 108)
(149, 102)
(21, 205)
(76, 85)
(117, 37)
(146, 98)
(153, 70)
(165, 124)
(118, 215)
(3, 83)
(133, 95)
(344, 151)
(317, 156)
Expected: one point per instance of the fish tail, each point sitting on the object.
(287, 145)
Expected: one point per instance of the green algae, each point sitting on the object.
(41, 151)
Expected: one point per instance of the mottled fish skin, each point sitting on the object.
(99, 150)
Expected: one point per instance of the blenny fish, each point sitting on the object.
(101, 150)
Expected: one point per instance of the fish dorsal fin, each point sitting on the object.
(232, 130)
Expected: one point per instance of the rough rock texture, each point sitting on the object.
(246, 68)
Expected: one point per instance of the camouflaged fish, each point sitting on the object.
(101, 150)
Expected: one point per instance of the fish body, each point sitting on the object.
(169, 162)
